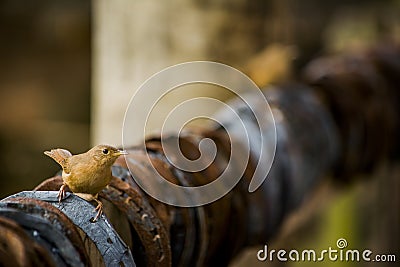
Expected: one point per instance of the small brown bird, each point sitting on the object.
(88, 173)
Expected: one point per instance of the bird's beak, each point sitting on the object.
(120, 152)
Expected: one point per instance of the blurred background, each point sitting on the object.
(44, 86)
(69, 67)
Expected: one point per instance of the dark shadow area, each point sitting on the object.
(44, 86)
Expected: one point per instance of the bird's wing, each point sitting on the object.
(60, 156)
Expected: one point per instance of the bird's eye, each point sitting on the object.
(105, 151)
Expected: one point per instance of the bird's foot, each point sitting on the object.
(61, 193)
(99, 210)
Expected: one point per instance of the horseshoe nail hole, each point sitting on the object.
(109, 241)
(144, 216)
(124, 195)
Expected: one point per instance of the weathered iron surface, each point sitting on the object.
(81, 213)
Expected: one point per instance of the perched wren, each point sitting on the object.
(88, 173)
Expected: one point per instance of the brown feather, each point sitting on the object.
(61, 157)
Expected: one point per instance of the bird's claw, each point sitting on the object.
(61, 193)
(99, 210)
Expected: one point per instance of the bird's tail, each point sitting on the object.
(59, 155)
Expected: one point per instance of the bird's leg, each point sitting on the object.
(61, 193)
(99, 208)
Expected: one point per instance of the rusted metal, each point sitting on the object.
(57, 219)
(328, 126)
(361, 92)
(127, 198)
(143, 219)
(62, 251)
(18, 248)
(81, 213)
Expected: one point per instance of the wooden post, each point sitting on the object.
(135, 39)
